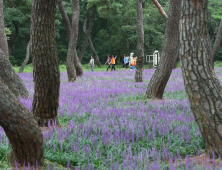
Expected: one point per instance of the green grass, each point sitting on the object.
(62, 68)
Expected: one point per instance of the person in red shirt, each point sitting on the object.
(113, 62)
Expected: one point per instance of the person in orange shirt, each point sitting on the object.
(113, 62)
(133, 62)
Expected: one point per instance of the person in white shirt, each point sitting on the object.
(91, 63)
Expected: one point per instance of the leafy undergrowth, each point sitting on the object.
(109, 125)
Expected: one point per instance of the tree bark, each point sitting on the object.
(3, 38)
(160, 9)
(89, 30)
(13, 39)
(216, 44)
(161, 76)
(9, 77)
(140, 43)
(94, 53)
(177, 59)
(26, 58)
(77, 65)
(45, 61)
(21, 129)
(65, 19)
(202, 90)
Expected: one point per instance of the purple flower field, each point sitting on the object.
(111, 126)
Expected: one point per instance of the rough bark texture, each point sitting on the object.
(160, 9)
(161, 76)
(74, 58)
(216, 44)
(140, 42)
(9, 77)
(65, 18)
(21, 129)
(45, 61)
(13, 38)
(3, 38)
(21, 69)
(177, 58)
(94, 53)
(203, 92)
(89, 30)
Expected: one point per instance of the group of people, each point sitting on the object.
(127, 61)
(111, 61)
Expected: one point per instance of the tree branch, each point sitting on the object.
(19, 9)
(160, 9)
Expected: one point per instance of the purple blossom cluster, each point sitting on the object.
(109, 125)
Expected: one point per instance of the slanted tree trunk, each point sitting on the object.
(74, 58)
(161, 76)
(94, 53)
(3, 38)
(21, 129)
(160, 9)
(140, 43)
(45, 61)
(177, 59)
(216, 44)
(89, 30)
(202, 90)
(65, 19)
(26, 58)
(9, 77)
(13, 38)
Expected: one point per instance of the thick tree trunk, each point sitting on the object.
(202, 90)
(177, 59)
(74, 58)
(9, 77)
(89, 30)
(216, 44)
(26, 58)
(13, 38)
(21, 129)
(3, 38)
(161, 76)
(45, 61)
(140, 43)
(160, 9)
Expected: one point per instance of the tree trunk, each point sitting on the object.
(65, 19)
(140, 43)
(94, 53)
(9, 77)
(177, 59)
(160, 9)
(161, 76)
(45, 61)
(216, 44)
(3, 39)
(75, 59)
(203, 92)
(146, 48)
(89, 30)
(13, 39)
(26, 58)
(21, 129)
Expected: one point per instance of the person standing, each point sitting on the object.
(125, 61)
(108, 61)
(113, 62)
(133, 62)
(91, 63)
